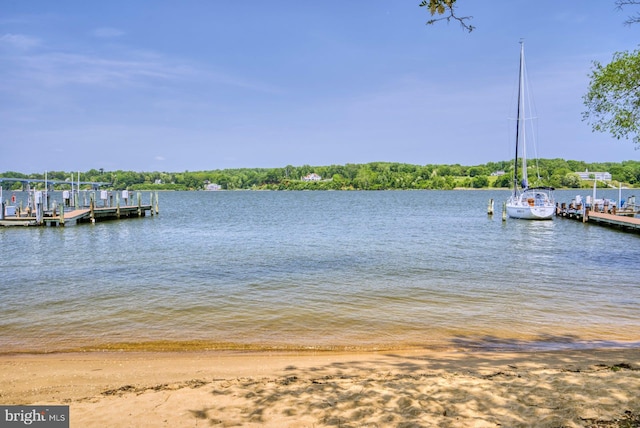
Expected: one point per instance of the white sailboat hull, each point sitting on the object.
(530, 213)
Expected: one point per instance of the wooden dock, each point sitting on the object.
(630, 224)
(91, 214)
(88, 215)
(622, 221)
(84, 215)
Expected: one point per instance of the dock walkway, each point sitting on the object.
(80, 214)
(620, 220)
(89, 215)
(614, 220)
(83, 215)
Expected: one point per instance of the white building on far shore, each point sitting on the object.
(602, 176)
(311, 177)
(212, 187)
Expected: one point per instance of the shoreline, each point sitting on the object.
(452, 344)
(417, 387)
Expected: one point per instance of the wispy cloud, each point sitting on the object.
(19, 41)
(58, 69)
(126, 68)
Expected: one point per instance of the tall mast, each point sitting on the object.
(520, 82)
(523, 118)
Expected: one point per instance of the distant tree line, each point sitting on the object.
(558, 173)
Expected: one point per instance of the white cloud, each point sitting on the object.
(57, 69)
(19, 41)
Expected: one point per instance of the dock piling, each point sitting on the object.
(92, 210)
(156, 200)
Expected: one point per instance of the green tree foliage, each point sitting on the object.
(613, 99)
(372, 176)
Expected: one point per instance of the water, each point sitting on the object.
(320, 270)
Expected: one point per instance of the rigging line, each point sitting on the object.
(533, 120)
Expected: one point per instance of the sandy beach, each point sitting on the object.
(585, 388)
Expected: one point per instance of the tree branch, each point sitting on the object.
(446, 7)
(634, 19)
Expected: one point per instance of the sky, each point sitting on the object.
(198, 85)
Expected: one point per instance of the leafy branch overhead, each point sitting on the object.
(613, 100)
(445, 9)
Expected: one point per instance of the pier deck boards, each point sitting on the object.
(624, 222)
(83, 215)
(87, 215)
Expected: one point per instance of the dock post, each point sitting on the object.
(585, 216)
(504, 211)
(156, 203)
(490, 207)
(151, 203)
(62, 215)
(139, 205)
(117, 205)
(38, 205)
(1, 210)
(91, 213)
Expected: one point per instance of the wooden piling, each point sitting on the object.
(92, 213)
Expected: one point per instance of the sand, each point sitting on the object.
(418, 388)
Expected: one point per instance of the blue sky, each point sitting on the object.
(211, 84)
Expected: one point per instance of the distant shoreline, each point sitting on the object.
(557, 173)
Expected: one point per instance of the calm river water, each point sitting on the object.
(336, 270)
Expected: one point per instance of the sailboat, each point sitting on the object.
(529, 203)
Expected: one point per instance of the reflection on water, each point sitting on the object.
(319, 269)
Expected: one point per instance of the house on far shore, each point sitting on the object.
(212, 187)
(602, 176)
(311, 177)
(497, 173)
